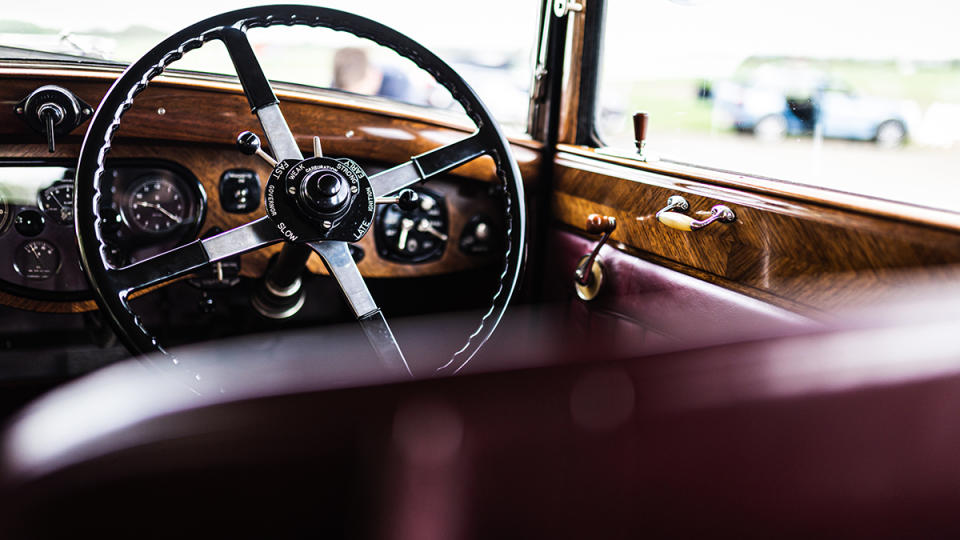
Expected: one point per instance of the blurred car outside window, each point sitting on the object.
(855, 97)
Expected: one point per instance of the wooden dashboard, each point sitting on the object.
(193, 122)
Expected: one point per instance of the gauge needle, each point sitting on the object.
(405, 227)
(163, 210)
(425, 226)
(33, 249)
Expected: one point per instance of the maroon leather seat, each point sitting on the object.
(849, 432)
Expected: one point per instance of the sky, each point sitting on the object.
(710, 35)
(704, 37)
(433, 22)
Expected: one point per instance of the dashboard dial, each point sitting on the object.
(415, 235)
(57, 202)
(156, 206)
(37, 259)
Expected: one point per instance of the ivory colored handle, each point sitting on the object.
(676, 220)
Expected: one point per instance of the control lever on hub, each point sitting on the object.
(406, 199)
(249, 144)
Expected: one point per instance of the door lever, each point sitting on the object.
(682, 222)
(589, 274)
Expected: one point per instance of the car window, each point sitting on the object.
(831, 93)
(499, 69)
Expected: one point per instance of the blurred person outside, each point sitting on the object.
(353, 71)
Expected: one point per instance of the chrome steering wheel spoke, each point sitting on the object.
(336, 257)
(260, 94)
(195, 255)
(429, 164)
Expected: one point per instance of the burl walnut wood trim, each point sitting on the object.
(175, 109)
(807, 254)
(778, 188)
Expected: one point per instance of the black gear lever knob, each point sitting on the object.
(248, 142)
(408, 199)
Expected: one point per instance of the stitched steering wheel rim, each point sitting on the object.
(109, 293)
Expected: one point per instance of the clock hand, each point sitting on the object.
(163, 210)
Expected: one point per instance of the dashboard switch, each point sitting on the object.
(53, 110)
(239, 191)
(478, 238)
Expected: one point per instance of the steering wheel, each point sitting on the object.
(318, 201)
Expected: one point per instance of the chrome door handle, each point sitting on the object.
(675, 202)
(683, 222)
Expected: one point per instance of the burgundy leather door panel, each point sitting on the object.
(656, 308)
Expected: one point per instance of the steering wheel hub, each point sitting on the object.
(320, 198)
(324, 192)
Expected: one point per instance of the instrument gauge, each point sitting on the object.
(37, 259)
(57, 202)
(156, 205)
(414, 235)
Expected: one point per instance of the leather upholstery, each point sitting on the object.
(848, 432)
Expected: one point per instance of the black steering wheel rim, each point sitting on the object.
(111, 294)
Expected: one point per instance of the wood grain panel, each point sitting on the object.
(813, 255)
(174, 109)
(781, 189)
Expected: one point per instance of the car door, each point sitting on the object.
(816, 228)
(845, 115)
